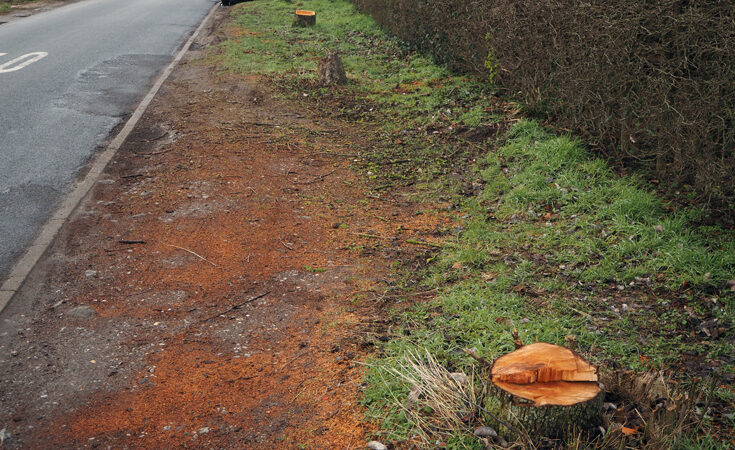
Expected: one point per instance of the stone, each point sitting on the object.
(375, 445)
(459, 378)
(90, 273)
(486, 432)
(81, 312)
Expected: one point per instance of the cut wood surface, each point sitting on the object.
(542, 363)
(547, 390)
(546, 374)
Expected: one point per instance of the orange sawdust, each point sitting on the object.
(253, 248)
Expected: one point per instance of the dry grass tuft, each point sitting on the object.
(440, 402)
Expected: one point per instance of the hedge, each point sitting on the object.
(648, 82)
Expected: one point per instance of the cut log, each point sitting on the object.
(546, 390)
(304, 18)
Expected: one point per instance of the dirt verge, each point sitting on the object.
(23, 10)
(217, 288)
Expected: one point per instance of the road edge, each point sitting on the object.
(23, 267)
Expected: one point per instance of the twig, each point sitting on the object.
(383, 186)
(119, 249)
(397, 161)
(290, 247)
(130, 242)
(419, 242)
(479, 358)
(373, 236)
(153, 153)
(261, 124)
(581, 313)
(239, 305)
(193, 253)
(346, 155)
(291, 360)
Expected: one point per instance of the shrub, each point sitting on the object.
(649, 83)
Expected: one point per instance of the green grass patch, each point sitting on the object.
(564, 251)
(390, 85)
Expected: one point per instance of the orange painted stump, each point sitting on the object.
(304, 18)
(546, 390)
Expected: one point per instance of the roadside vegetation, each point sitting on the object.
(548, 241)
(7, 5)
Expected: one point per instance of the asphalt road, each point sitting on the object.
(67, 78)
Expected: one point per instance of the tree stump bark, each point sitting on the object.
(546, 391)
(304, 18)
(331, 70)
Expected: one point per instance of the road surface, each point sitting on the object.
(67, 78)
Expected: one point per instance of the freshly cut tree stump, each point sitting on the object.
(304, 18)
(546, 390)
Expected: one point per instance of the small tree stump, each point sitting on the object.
(304, 18)
(331, 70)
(546, 390)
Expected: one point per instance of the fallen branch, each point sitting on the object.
(317, 179)
(193, 253)
(479, 358)
(238, 305)
(284, 244)
(419, 242)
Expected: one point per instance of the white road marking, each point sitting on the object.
(3, 54)
(21, 61)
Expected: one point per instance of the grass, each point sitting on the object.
(388, 83)
(553, 243)
(560, 248)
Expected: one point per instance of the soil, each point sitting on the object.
(23, 10)
(219, 287)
